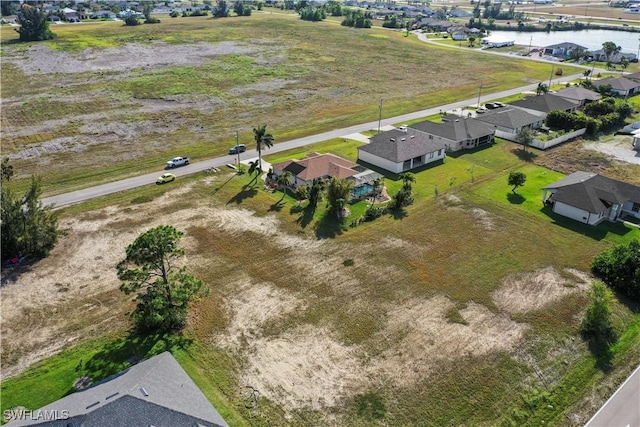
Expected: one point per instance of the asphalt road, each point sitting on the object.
(623, 408)
(150, 179)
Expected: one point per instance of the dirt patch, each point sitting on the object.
(427, 338)
(620, 149)
(303, 368)
(526, 292)
(42, 60)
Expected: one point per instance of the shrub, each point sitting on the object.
(619, 267)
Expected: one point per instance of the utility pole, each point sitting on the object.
(237, 149)
(379, 114)
(479, 93)
(550, 77)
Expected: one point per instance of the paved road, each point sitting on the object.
(623, 408)
(149, 179)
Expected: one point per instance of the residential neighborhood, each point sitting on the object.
(407, 214)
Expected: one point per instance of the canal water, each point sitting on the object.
(591, 39)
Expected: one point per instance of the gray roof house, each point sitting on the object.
(615, 57)
(620, 85)
(561, 50)
(156, 392)
(457, 133)
(508, 121)
(591, 198)
(580, 94)
(399, 151)
(547, 103)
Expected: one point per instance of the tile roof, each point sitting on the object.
(319, 165)
(154, 392)
(546, 103)
(462, 129)
(398, 146)
(591, 192)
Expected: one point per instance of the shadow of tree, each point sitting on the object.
(602, 352)
(306, 214)
(277, 206)
(329, 226)
(525, 156)
(249, 190)
(515, 198)
(399, 214)
(122, 353)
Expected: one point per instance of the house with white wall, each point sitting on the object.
(590, 198)
(400, 151)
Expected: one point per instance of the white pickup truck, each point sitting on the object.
(177, 161)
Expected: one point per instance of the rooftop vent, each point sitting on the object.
(412, 136)
(392, 140)
(403, 139)
(144, 392)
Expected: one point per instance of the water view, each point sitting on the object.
(591, 39)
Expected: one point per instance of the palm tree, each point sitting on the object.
(609, 48)
(263, 140)
(407, 178)
(284, 180)
(542, 89)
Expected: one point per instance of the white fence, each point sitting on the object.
(543, 145)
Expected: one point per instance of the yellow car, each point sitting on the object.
(165, 177)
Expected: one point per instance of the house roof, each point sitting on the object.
(578, 93)
(462, 129)
(155, 392)
(633, 76)
(546, 103)
(566, 46)
(617, 83)
(398, 146)
(510, 118)
(318, 166)
(591, 192)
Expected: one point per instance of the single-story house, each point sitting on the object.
(615, 57)
(320, 166)
(434, 24)
(103, 14)
(591, 198)
(496, 41)
(155, 392)
(509, 121)
(580, 94)
(561, 50)
(460, 13)
(546, 103)
(399, 151)
(621, 86)
(456, 133)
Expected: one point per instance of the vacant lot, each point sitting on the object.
(463, 303)
(104, 101)
(461, 311)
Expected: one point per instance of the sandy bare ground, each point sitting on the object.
(620, 149)
(302, 365)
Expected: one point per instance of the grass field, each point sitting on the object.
(463, 309)
(441, 266)
(186, 85)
